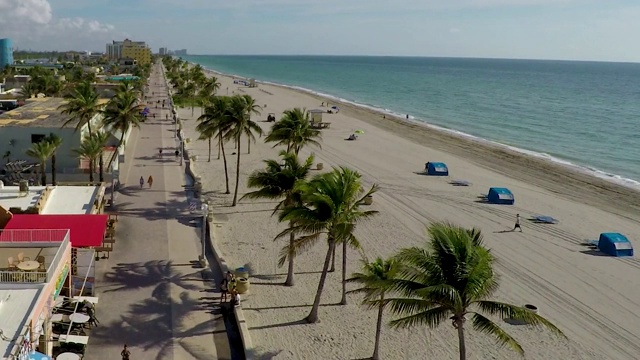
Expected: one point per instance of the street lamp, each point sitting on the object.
(205, 214)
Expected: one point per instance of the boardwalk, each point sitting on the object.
(154, 296)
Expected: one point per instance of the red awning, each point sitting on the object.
(85, 230)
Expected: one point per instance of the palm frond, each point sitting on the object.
(486, 326)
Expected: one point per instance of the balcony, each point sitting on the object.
(42, 252)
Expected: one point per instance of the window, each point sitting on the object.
(36, 138)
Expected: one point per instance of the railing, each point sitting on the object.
(23, 276)
(33, 235)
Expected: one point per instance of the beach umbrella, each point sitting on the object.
(39, 356)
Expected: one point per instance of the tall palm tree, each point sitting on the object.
(451, 278)
(278, 181)
(122, 113)
(81, 106)
(374, 279)
(240, 124)
(55, 141)
(252, 108)
(330, 206)
(91, 149)
(215, 123)
(294, 130)
(41, 151)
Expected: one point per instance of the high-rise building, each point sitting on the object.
(180, 52)
(6, 52)
(137, 51)
(163, 51)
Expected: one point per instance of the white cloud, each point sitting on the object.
(32, 25)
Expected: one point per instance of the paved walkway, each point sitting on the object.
(154, 296)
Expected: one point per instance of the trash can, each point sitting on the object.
(320, 166)
(368, 200)
(242, 285)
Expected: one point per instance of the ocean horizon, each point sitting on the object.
(580, 114)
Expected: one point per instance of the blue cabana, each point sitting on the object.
(436, 169)
(615, 244)
(501, 196)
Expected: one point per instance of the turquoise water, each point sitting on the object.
(583, 114)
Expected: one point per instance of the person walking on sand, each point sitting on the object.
(224, 290)
(141, 182)
(125, 353)
(150, 181)
(517, 226)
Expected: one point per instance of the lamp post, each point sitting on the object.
(205, 214)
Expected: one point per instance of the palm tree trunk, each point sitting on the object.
(376, 345)
(248, 145)
(209, 159)
(333, 261)
(226, 172)
(343, 301)
(101, 168)
(292, 238)
(235, 193)
(313, 315)
(43, 173)
(53, 170)
(461, 344)
(91, 170)
(219, 145)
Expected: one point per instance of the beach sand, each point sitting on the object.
(594, 299)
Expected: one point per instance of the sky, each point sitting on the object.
(605, 30)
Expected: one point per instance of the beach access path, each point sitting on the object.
(154, 296)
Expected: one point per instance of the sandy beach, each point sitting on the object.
(594, 299)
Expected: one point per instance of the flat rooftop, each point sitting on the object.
(38, 112)
(15, 307)
(62, 199)
(10, 197)
(72, 200)
(29, 252)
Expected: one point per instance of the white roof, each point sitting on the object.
(71, 200)
(10, 197)
(15, 307)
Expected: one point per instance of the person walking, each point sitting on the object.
(141, 182)
(517, 226)
(224, 290)
(125, 353)
(150, 181)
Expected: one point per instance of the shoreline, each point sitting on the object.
(556, 175)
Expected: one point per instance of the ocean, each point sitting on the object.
(580, 114)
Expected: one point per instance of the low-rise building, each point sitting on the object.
(36, 120)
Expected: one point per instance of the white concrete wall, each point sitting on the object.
(65, 158)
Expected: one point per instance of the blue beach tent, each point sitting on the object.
(615, 244)
(436, 169)
(501, 196)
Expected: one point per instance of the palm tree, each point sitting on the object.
(240, 124)
(215, 123)
(91, 149)
(122, 113)
(55, 141)
(450, 278)
(252, 108)
(41, 151)
(101, 139)
(330, 205)
(294, 130)
(28, 91)
(374, 279)
(81, 106)
(278, 181)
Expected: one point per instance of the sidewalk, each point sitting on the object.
(154, 296)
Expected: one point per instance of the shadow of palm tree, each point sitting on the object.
(159, 273)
